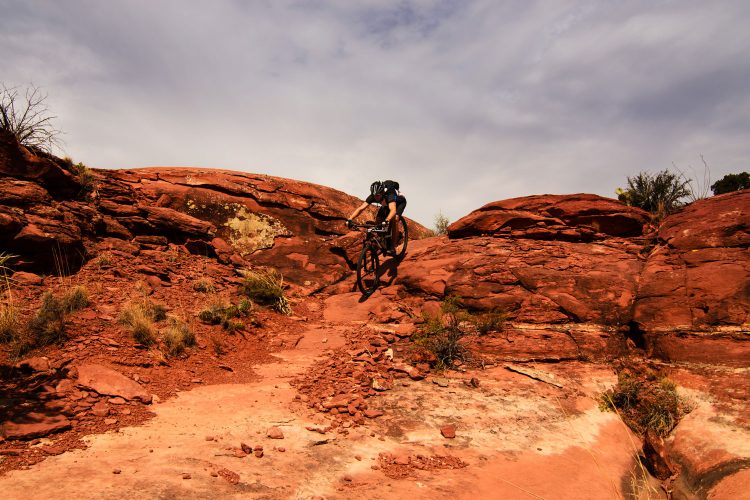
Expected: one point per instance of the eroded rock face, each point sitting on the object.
(240, 218)
(534, 281)
(575, 217)
(694, 296)
(683, 293)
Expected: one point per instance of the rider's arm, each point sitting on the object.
(392, 213)
(359, 210)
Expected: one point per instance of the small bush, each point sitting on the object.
(441, 224)
(104, 261)
(48, 325)
(646, 401)
(731, 182)
(660, 194)
(86, 177)
(442, 334)
(204, 286)
(9, 323)
(226, 315)
(266, 288)
(177, 336)
(140, 317)
(76, 298)
(218, 345)
(489, 322)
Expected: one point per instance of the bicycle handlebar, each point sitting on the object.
(370, 227)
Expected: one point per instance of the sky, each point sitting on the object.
(462, 102)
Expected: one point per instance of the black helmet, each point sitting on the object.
(376, 187)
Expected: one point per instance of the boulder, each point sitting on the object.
(109, 382)
(27, 278)
(693, 301)
(17, 192)
(575, 217)
(532, 281)
(34, 425)
(35, 364)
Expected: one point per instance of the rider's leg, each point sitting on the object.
(395, 226)
(395, 231)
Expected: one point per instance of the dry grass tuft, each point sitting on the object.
(76, 298)
(48, 324)
(9, 322)
(489, 322)
(204, 285)
(177, 336)
(266, 287)
(226, 315)
(140, 316)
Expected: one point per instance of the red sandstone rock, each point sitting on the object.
(657, 457)
(100, 409)
(35, 364)
(27, 278)
(448, 431)
(275, 433)
(110, 382)
(552, 217)
(533, 281)
(34, 425)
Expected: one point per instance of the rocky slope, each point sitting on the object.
(47, 214)
(582, 280)
(583, 268)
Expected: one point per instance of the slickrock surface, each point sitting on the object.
(341, 398)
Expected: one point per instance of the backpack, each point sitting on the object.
(391, 186)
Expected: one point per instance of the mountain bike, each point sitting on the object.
(376, 243)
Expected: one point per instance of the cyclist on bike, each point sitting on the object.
(392, 204)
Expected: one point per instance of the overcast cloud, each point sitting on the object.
(463, 102)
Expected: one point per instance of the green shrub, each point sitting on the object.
(226, 315)
(493, 321)
(731, 182)
(646, 401)
(48, 324)
(441, 334)
(85, 176)
(659, 194)
(266, 287)
(177, 336)
(441, 224)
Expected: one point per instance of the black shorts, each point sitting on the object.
(383, 211)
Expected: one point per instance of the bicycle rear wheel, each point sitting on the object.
(403, 237)
(368, 268)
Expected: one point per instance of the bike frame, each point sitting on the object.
(374, 235)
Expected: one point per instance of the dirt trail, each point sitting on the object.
(518, 438)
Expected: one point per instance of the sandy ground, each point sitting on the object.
(515, 438)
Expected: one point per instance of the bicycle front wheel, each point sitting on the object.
(368, 268)
(403, 237)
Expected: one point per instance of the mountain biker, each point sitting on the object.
(392, 204)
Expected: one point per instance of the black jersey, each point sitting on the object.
(388, 196)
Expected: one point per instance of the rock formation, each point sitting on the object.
(578, 278)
